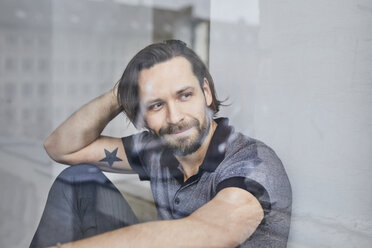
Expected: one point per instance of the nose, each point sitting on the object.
(174, 115)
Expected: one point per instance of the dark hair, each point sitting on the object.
(146, 58)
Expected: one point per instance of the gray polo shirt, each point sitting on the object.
(232, 160)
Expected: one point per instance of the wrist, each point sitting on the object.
(115, 107)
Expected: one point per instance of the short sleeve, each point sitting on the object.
(134, 147)
(257, 169)
(253, 187)
(251, 165)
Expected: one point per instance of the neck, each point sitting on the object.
(191, 163)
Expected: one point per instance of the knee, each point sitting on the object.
(82, 173)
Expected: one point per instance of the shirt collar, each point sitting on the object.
(214, 156)
(217, 147)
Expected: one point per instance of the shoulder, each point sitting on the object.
(240, 147)
(254, 160)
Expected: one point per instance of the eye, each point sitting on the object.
(155, 106)
(186, 95)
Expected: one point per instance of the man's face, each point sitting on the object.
(174, 105)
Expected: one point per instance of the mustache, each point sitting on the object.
(176, 128)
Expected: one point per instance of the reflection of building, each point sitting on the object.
(92, 43)
(181, 24)
(25, 72)
(57, 55)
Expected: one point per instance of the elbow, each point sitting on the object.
(47, 144)
(237, 231)
(50, 148)
(241, 229)
(239, 236)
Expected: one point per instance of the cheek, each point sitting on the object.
(154, 121)
(197, 108)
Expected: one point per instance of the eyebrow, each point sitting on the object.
(178, 92)
(148, 103)
(184, 89)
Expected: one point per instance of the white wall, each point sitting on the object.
(303, 86)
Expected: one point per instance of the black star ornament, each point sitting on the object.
(111, 157)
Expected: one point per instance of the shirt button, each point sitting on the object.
(177, 200)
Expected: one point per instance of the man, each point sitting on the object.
(212, 187)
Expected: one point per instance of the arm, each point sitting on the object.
(226, 221)
(78, 139)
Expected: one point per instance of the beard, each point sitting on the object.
(183, 146)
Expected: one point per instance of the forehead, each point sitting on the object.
(166, 77)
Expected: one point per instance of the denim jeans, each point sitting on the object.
(82, 202)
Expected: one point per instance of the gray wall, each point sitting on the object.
(299, 79)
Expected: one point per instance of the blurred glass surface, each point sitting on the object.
(297, 75)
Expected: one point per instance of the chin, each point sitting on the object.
(185, 146)
(186, 150)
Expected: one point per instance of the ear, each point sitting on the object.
(207, 92)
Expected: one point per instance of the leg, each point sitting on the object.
(82, 202)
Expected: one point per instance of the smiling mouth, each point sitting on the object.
(181, 132)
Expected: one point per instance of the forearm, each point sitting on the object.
(83, 126)
(173, 233)
(226, 221)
